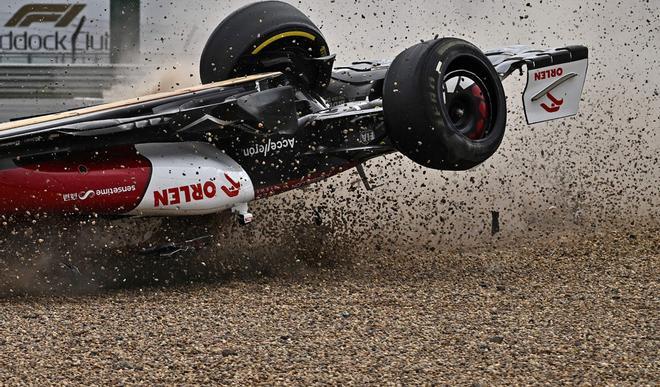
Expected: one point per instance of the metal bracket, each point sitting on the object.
(365, 179)
(244, 216)
(174, 248)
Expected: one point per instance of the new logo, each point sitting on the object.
(547, 74)
(195, 192)
(184, 194)
(555, 106)
(60, 14)
(234, 189)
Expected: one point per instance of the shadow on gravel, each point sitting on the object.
(73, 256)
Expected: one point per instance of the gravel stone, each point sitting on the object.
(556, 323)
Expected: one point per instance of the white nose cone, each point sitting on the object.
(192, 178)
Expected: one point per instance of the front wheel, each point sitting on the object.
(444, 104)
(263, 37)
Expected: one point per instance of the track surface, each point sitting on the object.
(579, 309)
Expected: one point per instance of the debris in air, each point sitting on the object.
(71, 267)
(173, 248)
(495, 222)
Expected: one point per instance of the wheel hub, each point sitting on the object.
(467, 103)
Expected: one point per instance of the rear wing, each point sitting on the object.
(555, 78)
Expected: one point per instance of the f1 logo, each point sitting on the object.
(60, 14)
(555, 106)
(232, 191)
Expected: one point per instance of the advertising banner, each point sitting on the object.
(47, 31)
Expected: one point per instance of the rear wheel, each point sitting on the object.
(267, 36)
(444, 104)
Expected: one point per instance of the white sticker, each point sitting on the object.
(554, 91)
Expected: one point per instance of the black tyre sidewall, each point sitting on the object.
(419, 124)
(244, 30)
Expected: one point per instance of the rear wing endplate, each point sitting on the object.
(555, 78)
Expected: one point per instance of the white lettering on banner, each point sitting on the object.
(55, 27)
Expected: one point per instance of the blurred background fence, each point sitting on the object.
(62, 80)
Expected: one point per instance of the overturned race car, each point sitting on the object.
(273, 114)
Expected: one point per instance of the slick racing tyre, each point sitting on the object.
(267, 36)
(444, 104)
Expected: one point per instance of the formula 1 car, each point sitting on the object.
(273, 114)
